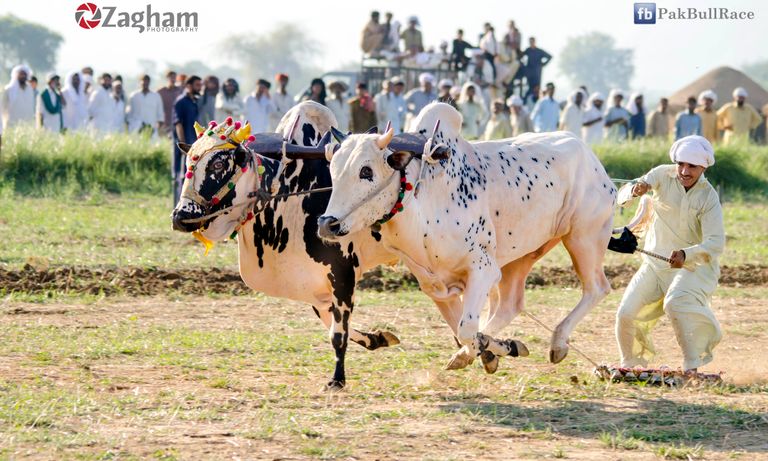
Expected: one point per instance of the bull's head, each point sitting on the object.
(220, 174)
(367, 170)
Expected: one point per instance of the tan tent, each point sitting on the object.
(722, 81)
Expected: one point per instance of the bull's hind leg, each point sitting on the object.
(587, 247)
(370, 340)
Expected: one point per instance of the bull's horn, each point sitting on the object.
(384, 139)
(338, 135)
(199, 129)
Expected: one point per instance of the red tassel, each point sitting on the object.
(408, 186)
(251, 138)
(215, 200)
(228, 120)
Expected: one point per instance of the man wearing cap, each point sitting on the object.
(616, 118)
(418, 98)
(737, 118)
(101, 108)
(338, 105)
(592, 125)
(258, 106)
(706, 110)
(518, 116)
(660, 120)
(49, 106)
(282, 100)
(687, 225)
(18, 101)
(411, 36)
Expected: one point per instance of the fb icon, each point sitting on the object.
(645, 13)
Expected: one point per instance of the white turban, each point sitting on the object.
(445, 82)
(694, 149)
(632, 105)
(12, 88)
(740, 91)
(596, 96)
(615, 92)
(707, 94)
(515, 100)
(426, 77)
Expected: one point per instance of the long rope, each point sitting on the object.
(543, 325)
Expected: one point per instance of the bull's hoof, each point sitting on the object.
(522, 351)
(490, 362)
(461, 359)
(557, 354)
(389, 338)
(334, 386)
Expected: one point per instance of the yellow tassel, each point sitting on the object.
(243, 133)
(208, 243)
(199, 129)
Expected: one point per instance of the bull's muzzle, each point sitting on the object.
(178, 219)
(329, 228)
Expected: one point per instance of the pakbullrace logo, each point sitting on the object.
(89, 16)
(95, 17)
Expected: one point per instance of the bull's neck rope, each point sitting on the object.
(398, 207)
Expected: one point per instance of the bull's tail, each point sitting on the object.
(641, 221)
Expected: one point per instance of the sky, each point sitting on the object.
(668, 55)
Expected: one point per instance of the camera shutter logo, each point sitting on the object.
(645, 13)
(95, 15)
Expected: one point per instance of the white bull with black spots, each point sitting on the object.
(481, 216)
(280, 253)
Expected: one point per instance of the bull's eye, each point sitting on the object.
(366, 173)
(218, 165)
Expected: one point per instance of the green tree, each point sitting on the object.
(593, 60)
(26, 42)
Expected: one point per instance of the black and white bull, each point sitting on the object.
(280, 253)
(480, 215)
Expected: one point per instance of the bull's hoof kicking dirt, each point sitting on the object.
(334, 386)
(556, 355)
(460, 359)
(490, 362)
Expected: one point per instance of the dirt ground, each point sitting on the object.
(240, 378)
(37, 277)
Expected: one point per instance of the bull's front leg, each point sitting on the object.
(479, 283)
(339, 334)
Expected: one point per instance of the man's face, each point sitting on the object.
(550, 91)
(375, 18)
(471, 91)
(617, 100)
(398, 89)
(388, 17)
(196, 87)
(740, 100)
(664, 103)
(532, 42)
(261, 89)
(106, 82)
(445, 89)
(76, 81)
(428, 87)
(54, 83)
(283, 82)
(598, 103)
(145, 84)
(639, 102)
(691, 105)
(708, 103)
(117, 88)
(460, 35)
(172, 79)
(579, 98)
(688, 174)
(22, 77)
(212, 86)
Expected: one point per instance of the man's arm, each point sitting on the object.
(546, 57)
(712, 230)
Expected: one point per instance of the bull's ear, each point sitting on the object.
(184, 147)
(399, 160)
